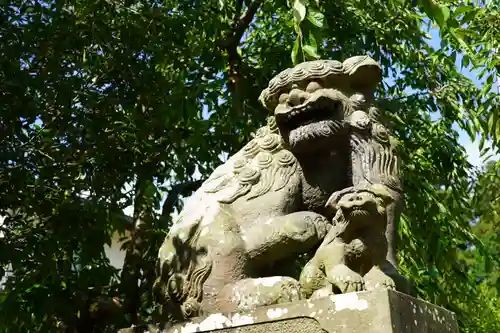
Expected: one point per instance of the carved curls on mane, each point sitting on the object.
(259, 167)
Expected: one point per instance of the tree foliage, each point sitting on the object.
(107, 104)
(483, 269)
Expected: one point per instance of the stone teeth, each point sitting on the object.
(293, 113)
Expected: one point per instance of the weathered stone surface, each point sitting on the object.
(324, 172)
(383, 311)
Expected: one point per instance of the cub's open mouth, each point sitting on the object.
(359, 211)
(309, 113)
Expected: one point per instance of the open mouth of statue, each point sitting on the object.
(307, 114)
(358, 211)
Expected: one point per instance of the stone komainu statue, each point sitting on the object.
(237, 235)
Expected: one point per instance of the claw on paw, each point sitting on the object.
(375, 279)
(345, 279)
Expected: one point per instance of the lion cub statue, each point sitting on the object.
(352, 254)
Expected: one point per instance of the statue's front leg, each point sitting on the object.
(312, 277)
(282, 236)
(337, 272)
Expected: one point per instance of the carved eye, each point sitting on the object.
(283, 98)
(313, 86)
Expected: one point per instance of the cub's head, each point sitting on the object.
(358, 205)
(312, 101)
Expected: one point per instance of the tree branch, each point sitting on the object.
(131, 265)
(239, 6)
(240, 23)
(245, 20)
(408, 96)
(230, 43)
(431, 92)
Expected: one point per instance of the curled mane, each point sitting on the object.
(262, 165)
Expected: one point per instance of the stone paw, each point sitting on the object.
(377, 285)
(349, 284)
(375, 279)
(345, 279)
(323, 292)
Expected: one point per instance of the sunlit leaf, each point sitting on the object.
(316, 18)
(299, 10)
(311, 51)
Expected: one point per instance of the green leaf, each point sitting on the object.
(488, 264)
(465, 61)
(493, 125)
(481, 143)
(316, 18)
(311, 51)
(439, 13)
(299, 10)
(311, 40)
(295, 51)
(462, 43)
(442, 208)
(461, 10)
(483, 152)
(470, 15)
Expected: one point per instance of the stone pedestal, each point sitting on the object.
(363, 312)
